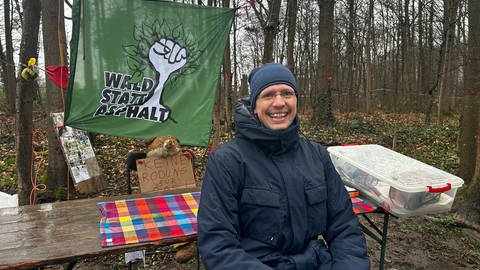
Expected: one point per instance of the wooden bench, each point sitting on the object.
(64, 232)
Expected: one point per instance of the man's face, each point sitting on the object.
(276, 106)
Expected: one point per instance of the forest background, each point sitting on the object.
(349, 56)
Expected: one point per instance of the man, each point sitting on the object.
(271, 199)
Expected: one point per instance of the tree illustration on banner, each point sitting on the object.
(168, 55)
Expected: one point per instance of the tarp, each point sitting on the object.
(146, 68)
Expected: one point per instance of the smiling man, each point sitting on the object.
(272, 199)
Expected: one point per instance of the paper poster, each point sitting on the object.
(77, 149)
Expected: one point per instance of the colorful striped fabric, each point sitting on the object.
(148, 219)
(360, 206)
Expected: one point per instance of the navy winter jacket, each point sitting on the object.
(273, 200)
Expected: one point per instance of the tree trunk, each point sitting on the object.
(9, 83)
(449, 22)
(25, 93)
(350, 55)
(53, 31)
(323, 113)
(235, 62)
(227, 81)
(469, 208)
(243, 86)
(436, 80)
(421, 63)
(291, 26)
(227, 84)
(471, 97)
(215, 131)
(369, 40)
(405, 48)
(270, 30)
(469, 141)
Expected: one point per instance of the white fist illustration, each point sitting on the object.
(167, 56)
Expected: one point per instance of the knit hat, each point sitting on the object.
(267, 75)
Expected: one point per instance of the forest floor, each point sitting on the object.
(434, 241)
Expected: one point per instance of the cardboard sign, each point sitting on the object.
(156, 173)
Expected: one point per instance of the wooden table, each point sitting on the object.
(61, 232)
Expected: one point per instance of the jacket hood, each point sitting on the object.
(248, 126)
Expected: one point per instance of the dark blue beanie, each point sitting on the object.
(267, 75)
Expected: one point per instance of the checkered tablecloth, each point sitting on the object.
(361, 206)
(148, 219)
(154, 218)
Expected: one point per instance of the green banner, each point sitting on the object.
(145, 68)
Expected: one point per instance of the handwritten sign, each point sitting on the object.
(156, 173)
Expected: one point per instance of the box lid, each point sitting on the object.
(400, 171)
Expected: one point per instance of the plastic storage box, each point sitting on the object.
(401, 185)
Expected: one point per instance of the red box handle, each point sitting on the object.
(440, 189)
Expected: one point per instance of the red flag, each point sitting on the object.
(59, 75)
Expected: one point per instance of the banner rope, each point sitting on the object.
(83, 30)
(62, 64)
(59, 32)
(33, 179)
(60, 47)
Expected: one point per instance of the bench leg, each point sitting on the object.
(71, 265)
(380, 236)
(384, 240)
